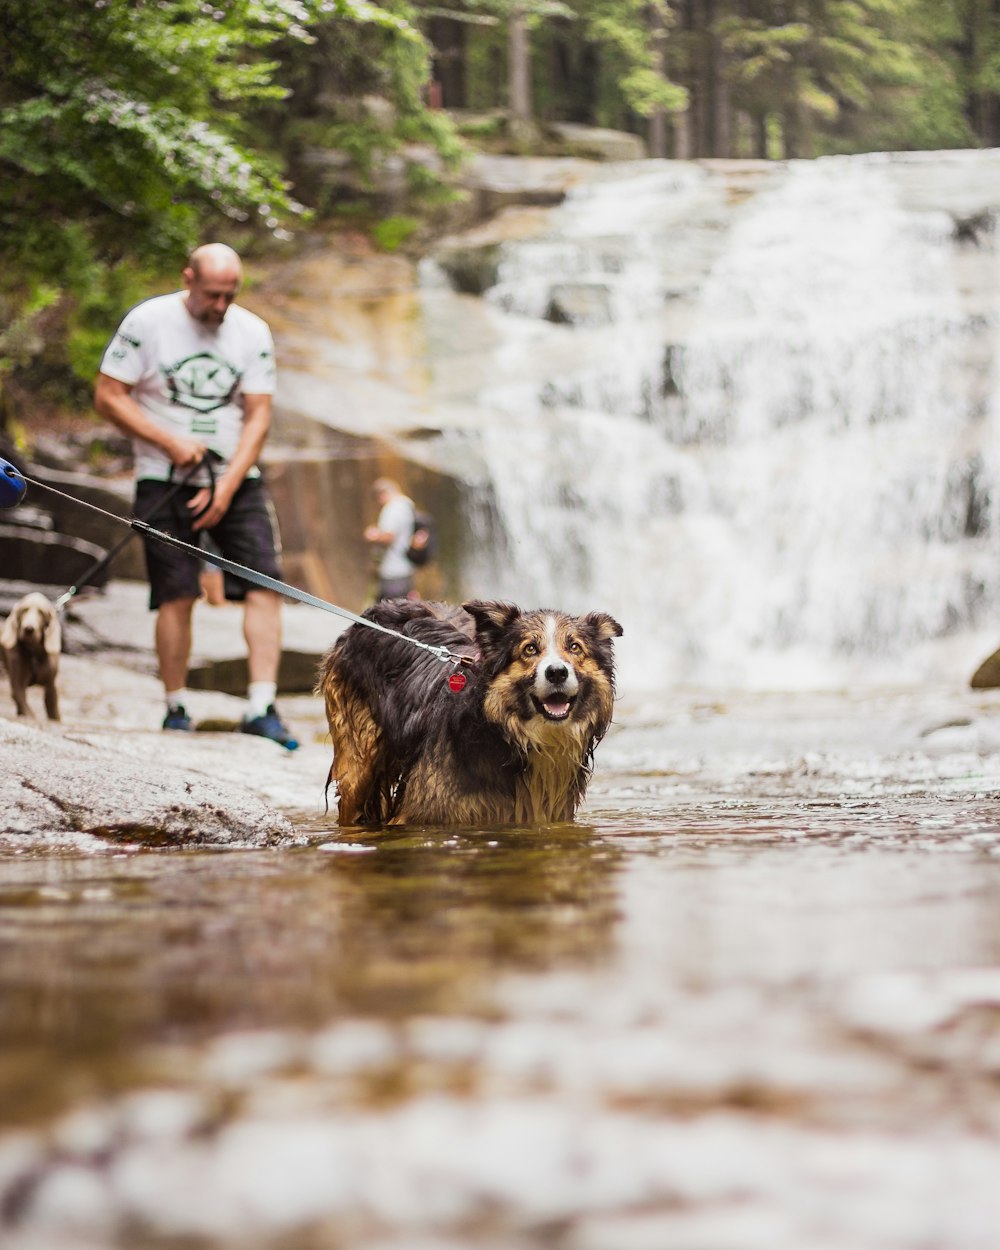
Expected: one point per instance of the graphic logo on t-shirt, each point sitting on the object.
(122, 344)
(203, 382)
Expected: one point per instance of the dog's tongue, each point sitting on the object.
(557, 705)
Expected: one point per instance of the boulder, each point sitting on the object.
(580, 303)
(471, 270)
(296, 673)
(599, 143)
(987, 675)
(114, 499)
(35, 555)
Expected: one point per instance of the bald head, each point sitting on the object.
(213, 276)
(385, 488)
(215, 258)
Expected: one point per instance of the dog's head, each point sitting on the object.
(34, 624)
(545, 670)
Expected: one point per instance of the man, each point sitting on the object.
(185, 373)
(394, 532)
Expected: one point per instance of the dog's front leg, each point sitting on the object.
(52, 699)
(19, 685)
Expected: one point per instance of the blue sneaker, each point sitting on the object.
(270, 725)
(177, 718)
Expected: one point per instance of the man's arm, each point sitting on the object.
(256, 424)
(389, 516)
(113, 400)
(381, 538)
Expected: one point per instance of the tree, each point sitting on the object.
(975, 35)
(827, 75)
(360, 89)
(636, 32)
(123, 135)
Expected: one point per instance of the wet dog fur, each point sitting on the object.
(30, 643)
(515, 746)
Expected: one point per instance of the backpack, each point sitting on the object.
(423, 544)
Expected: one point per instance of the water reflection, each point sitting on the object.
(105, 954)
(468, 907)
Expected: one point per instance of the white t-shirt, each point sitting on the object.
(188, 377)
(396, 518)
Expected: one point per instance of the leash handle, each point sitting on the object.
(207, 462)
(12, 484)
(100, 564)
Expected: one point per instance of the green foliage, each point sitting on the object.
(130, 129)
(645, 91)
(804, 76)
(118, 112)
(17, 337)
(357, 102)
(625, 29)
(828, 68)
(101, 296)
(392, 232)
(118, 139)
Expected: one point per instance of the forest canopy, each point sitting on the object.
(130, 129)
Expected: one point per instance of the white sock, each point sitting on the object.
(260, 696)
(176, 698)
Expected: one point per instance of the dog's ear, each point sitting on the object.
(603, 625)
(493, 618)
(52, 634)
(8, 636)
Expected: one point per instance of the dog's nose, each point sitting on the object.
(556, 674)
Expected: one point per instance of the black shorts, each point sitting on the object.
(247, 534)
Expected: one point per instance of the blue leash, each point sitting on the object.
(14, 484)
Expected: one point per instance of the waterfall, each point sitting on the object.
(752, 410)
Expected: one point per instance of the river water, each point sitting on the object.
(751, 999)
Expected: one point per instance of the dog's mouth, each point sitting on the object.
(555, 706)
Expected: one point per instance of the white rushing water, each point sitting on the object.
(751, 410)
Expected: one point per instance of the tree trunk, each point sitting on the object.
(519, 70)
(658, 119)
(759, 123)
(448, 39)
(682, 136)
(722, 130)
(699, 86)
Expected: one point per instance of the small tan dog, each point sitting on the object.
(31, 642)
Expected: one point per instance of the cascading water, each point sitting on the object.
(752, 410)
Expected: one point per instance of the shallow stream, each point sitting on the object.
(750, 1001)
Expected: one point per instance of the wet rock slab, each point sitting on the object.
(59, 785)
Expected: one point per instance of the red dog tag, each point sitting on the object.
(456, 682)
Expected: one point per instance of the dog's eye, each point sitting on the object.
(575, 647)
(529, 649)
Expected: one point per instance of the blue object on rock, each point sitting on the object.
(12, 485)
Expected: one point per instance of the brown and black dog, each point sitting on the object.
(31, 642)
(514, 746)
